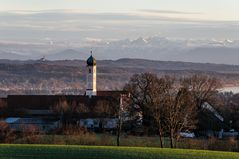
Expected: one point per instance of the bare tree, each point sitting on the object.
(141, 89)
(202, 87)
(183, 103)
(179, 113)
(113, 108)
(169, 104)
(162, 102)
(161, 90)
(122, 107)
(146, 94)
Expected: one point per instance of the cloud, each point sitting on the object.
(61, 15)
(95, 40)
(71, 16)
(68, 24)
(167, 11)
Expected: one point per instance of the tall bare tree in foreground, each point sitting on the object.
(179, 113)
(141, 89)
(168, 104)
(145, 90)
(163, 86)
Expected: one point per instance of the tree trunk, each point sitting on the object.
(171, 138)
(160, 136)
(118, 133)
(160, 139)
(118, 139)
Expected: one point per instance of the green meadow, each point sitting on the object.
(15, 151)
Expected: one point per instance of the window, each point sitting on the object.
(89, 70)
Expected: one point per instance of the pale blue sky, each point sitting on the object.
(118, 19)
(209, 9)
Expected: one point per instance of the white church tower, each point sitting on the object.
(91, 76)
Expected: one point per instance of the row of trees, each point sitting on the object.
(168, 105)
(164, 105)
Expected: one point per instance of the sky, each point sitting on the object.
(206, 9)
(41, 27)
(76, 20)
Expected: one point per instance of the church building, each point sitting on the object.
(95, 109)
(91, 77)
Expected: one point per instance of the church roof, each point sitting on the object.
(91, 61)
(111, 93)
(19, 105)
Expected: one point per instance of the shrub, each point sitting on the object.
(30, 134)
(7, 135)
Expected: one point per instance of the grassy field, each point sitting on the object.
(130, 141)
(104, 152)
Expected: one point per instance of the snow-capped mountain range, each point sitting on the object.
(224, 51)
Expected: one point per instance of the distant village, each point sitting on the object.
(40, 110)
(148, 105)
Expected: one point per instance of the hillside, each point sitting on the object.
(68, 76)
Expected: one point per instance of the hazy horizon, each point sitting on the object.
(125, 29)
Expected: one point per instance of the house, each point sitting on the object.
(21, 124)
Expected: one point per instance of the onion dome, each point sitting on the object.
(91, 61)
